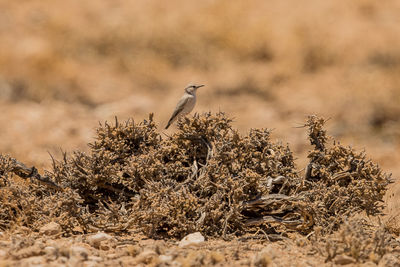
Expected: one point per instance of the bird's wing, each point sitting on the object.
(179, 107)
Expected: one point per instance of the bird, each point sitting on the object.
(185, 104)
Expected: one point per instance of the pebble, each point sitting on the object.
(50, 229)
(96, 239)
(193, 239)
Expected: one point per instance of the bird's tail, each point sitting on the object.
(172, 119)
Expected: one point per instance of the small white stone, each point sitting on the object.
(50, 229)
(94, 240)
(192, 239)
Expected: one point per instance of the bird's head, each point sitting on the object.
(191, 88)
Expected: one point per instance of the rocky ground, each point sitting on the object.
(48, 248)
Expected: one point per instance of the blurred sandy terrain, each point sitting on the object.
(65, 66)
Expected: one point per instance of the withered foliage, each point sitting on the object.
(339, 180)
(6, 165)
(24, 203)
(100, 174)
(205, 177)
(356, 238)
(198, 179)
(194, 180)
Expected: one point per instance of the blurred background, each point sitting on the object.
(65, 66)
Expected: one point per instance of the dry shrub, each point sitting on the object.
(361, 240)
(32, 205)
(6, 166)
(202, 174)
(340, 181)
(393, 224)
(196, 179)
(205, 177)
(99, 175)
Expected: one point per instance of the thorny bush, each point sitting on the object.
(340, 181)
(205, 177)
(356, 238)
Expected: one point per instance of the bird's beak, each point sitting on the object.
(198, 86)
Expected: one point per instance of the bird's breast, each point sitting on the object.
(189, 105)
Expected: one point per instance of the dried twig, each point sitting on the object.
(23, 171)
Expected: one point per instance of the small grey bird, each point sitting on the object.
(185, 104)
